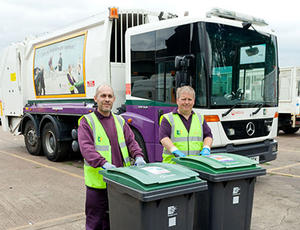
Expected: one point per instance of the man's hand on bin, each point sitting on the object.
(108, 166)
(139, 161)
(178, 153)
(205, 151)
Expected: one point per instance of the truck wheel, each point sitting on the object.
(32, 141)
(140, 141)
(53, 149)
(289, 130)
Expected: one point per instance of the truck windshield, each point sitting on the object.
(242, 66)
(229, 65)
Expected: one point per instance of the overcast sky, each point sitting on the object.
(21, 18)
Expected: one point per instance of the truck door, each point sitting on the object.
(165, 89)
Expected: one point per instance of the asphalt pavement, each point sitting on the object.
(39, 194)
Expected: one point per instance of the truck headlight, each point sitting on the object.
(230, 132)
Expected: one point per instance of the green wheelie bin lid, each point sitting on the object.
(153, 181)
(222, 166)
(151, 176)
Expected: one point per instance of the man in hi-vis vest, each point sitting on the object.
(105, 141)
(184, 132)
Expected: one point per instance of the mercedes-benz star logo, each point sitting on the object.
(250, 129)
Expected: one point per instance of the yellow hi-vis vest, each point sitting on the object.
(189, 143)
(102, 145)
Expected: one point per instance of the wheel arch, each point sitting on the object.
(55, 148)
(62, 129)
(141, 141)
(35, 120)
(53, 120)
(140, 123)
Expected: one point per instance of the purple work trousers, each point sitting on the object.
(96, 209)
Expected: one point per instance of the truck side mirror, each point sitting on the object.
(184, 62)
(183, 65)
(178, 62)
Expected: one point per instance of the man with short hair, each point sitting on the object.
(184, 132)
(106, 142)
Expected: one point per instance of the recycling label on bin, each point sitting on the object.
(221, 158)
(172, 213)
(156, 170)
(231, 160)
(236, 192)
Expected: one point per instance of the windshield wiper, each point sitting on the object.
(259, 108)
(229, 110)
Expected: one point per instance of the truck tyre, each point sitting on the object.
(32, 141)
(140, 141)
(54, 150)
(289, 130)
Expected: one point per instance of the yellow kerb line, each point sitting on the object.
(283, 167)
(43, 165)
(284, 174)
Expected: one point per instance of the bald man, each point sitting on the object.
(106, 142)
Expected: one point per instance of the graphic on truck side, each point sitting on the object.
(58, 68)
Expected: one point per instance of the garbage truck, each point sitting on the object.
(230, 59)
(49, 81)
(289, 100)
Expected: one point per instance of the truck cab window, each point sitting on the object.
(143, 77)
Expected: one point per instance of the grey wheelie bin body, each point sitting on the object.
(154, 196)
(227, 204)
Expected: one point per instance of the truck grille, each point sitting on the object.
(247, 128)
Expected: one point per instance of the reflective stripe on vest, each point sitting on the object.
(102, 146)
(190, 143)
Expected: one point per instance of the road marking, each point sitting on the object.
(48, 223)
(283, 167)
(271, 171)
(284, 174)
(43, 165)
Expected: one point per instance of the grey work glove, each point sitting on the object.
(139, 161)
(108, 166)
